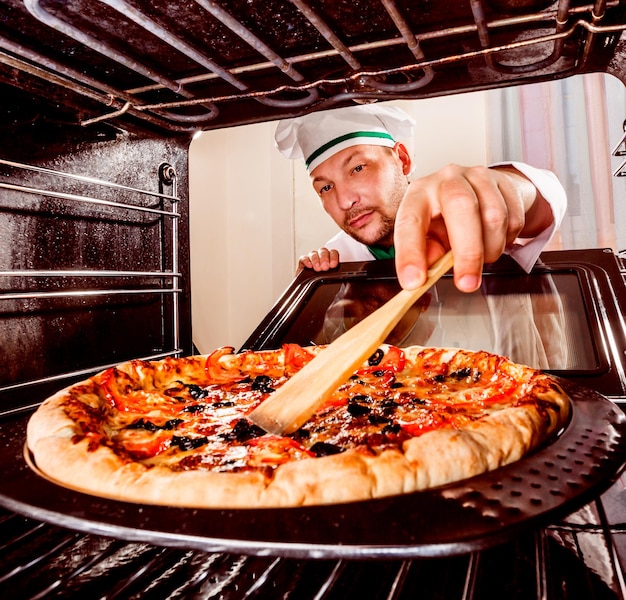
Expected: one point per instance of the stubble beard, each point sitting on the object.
(383, 234)
(380, 236)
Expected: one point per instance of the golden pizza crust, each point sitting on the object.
(433, 459)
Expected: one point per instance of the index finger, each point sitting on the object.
(414, 253)
(461, 212)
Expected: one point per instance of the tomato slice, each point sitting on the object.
(393, 359)
(141, 445)
(431, 422)
(242, 365)
(216, 372)
(115, 386)
(295, 357)
(119, 390)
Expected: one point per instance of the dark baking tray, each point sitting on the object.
(454, 519)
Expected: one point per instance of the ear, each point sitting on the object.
(404, 156)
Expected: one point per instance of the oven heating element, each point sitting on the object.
(221, 70)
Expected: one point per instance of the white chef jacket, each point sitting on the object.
(525, 254)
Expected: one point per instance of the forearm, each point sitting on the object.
(538, 211)
(541, 228)
(548, 188)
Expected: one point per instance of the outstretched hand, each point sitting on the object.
(476, 211)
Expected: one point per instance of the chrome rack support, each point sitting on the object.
(163, 281)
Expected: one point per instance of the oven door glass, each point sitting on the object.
(541, 319)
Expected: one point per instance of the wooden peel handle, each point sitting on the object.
(289, 407)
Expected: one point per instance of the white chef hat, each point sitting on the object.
(317, 136)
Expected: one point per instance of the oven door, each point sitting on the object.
(564, 317)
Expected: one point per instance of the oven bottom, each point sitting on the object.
(581, 557)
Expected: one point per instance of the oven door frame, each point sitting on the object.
(601, 284)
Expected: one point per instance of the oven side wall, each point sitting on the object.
(85, 322)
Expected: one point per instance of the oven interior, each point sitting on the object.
(98, 104)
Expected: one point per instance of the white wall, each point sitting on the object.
(241, 228)
(254, 212)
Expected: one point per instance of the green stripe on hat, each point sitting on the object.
(343, 138)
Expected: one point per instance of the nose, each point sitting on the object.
(346, 197)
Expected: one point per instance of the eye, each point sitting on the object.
(324, 189)
(358, 168)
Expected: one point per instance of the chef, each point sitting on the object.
(360, 168)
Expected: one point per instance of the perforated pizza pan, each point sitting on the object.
(583, 461)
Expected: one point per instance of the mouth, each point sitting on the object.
(360, 220)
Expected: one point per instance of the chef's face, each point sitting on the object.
(361, 188)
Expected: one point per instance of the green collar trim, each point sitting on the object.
(343, 138)
(381, 253)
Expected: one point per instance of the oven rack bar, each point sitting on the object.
(86, 293)
(173, 199)
(180, 572)
(87, 199)
(362, 83)
(480, 27)
(424, 65)
(87, 179)
(89, 292)
(448, 32)
(89, 273)
(59, 75)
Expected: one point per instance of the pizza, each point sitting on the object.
(174, 432)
